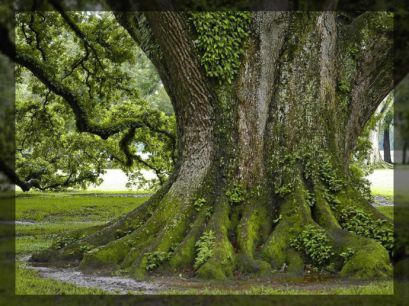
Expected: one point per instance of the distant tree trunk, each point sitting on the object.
(386, 146)
(273, 145)
(374, 154)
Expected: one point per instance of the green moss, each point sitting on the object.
(246, 264)
(222, 262)
(368, 262)
(322, 212)
(211, 271)
(185, 253)
(295, 216)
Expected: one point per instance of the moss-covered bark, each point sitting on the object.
(267, 156)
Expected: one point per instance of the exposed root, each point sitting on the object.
(222, 262)
(124, 251)
(369, 260)
(253, 228)
(184, 255)
(164, 233)
(295, 215)
(100, 235)
(171, 234)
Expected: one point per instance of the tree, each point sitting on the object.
(51, 154)
(386, 136)
(268, 105)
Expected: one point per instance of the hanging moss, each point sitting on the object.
(220, 39)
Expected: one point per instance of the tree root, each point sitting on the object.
(164, 236)
(295, 215)
(222, 263)
(369, 260)
(253, 228)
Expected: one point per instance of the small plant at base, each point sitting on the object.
(355, 220)
(199, 203)
(329, 176)
(156, 258)
(314, 243)
(347, 254)
(236, 194)
(204, 247)
(63, 241)
(310, 198)
(278, 219)
(360, 183)
(209, 212)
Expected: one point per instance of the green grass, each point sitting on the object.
(387, 193)
(52, 207)
(376, 287)
(387, 211)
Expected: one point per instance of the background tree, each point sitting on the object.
(268, 106)
(387, 123)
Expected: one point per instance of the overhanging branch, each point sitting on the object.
(42, 72)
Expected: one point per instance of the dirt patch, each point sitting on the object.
(113, 284)
(18, 222)
(381, 201)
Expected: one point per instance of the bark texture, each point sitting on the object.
(259, 160)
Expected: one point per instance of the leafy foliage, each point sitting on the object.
(347, 254)
(329, 176)
(314, 243)
(204, 248)
(62, 240)
(154, 259)
(235, 194)
(199, 203)
(360, 183)
(355, 220)
(220, 39)
(115, 83)
(310, 198)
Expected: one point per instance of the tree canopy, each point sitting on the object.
(101, 83)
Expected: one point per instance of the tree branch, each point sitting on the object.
(368, 41)
(130, 158)
(83, 123)
(14, 178)
(76, 30)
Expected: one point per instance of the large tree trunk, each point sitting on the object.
(259, 160)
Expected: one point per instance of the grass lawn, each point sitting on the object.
(53, 213)
(382, 183)
(63, 207)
